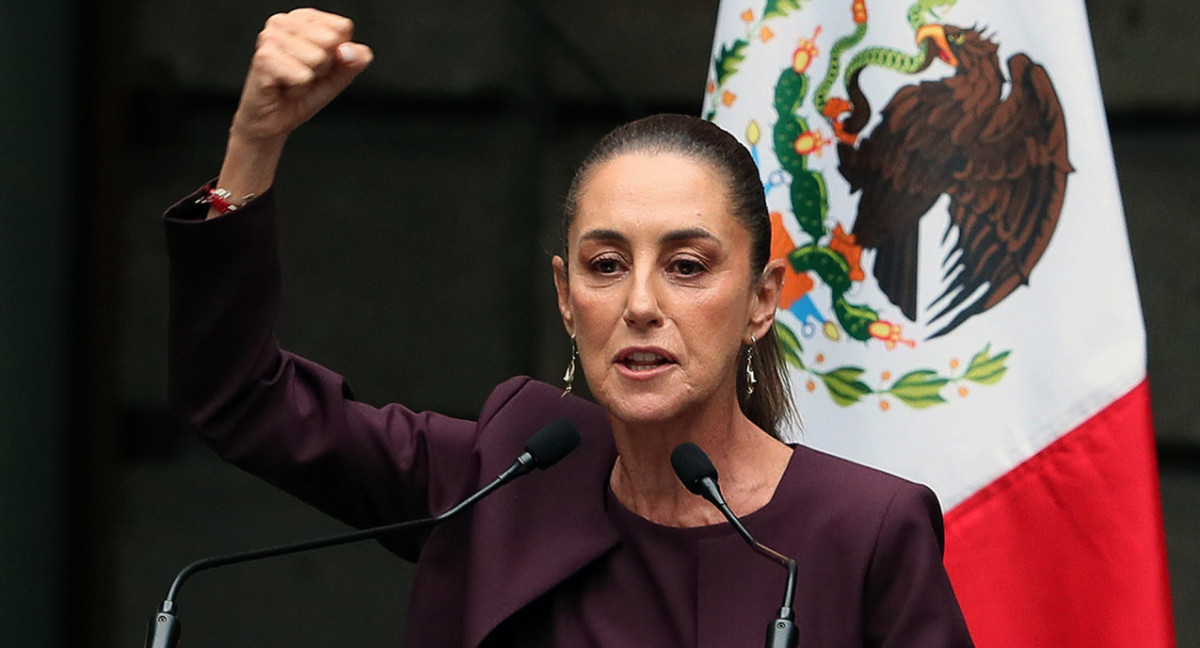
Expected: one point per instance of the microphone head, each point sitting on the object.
(691, 466)
(552, 443)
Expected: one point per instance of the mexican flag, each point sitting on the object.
(960, 307)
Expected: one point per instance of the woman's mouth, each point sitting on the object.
(643, 363)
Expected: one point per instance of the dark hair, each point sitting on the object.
(771, 403)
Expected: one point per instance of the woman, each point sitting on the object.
(666, 290)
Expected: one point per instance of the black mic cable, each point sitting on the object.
(545, 448)
(698, 474)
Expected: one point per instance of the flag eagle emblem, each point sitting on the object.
(992, 146)
(1002, 162)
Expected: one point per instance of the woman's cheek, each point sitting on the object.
(592, 328)
(596, 310)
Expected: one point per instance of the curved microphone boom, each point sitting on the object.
(545, 448)
(699, 476)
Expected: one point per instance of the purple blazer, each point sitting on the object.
(869, 545)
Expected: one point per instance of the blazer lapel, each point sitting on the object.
(541, 529)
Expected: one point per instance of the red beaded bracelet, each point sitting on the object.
(219, 199)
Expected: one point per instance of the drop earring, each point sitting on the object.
(751, 379)
(569, 376)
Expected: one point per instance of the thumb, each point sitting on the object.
(352, 59)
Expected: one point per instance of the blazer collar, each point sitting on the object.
(553, 524)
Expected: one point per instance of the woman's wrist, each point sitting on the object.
(249, 166)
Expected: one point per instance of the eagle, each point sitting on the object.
(1002, 160)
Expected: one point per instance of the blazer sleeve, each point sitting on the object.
(287, 420)
(909, 599)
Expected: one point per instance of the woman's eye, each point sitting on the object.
(606, 265)
(687, 267)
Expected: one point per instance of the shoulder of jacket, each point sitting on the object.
(858, 483)
(530, 404)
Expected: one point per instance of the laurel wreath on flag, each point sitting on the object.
(832, 256)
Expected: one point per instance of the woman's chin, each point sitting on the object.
(641, 407)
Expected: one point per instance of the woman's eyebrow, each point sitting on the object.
(673, 236)
(688, 234)
(604, 235)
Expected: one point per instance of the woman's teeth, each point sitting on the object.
(642, 361)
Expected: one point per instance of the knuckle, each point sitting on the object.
(343, 25)
(316, 58)
(302, 76)
(265, 37)
(324, 38)
(263, 56)
(268, 47)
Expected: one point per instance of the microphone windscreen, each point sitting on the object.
(691, 465)
(552, 443)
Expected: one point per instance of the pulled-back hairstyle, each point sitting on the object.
(771, 404)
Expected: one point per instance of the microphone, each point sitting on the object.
(699, 476)
(544, 449)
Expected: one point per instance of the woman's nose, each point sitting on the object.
(641, 302)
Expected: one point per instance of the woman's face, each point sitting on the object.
(658, 288)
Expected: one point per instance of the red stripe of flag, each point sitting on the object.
(1068, 548)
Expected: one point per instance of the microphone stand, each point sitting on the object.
(164, 628)
(782, 632)
(699, 476)
(543, 450)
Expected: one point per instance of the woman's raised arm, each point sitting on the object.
(302, 60)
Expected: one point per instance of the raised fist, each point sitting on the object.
(303, 59)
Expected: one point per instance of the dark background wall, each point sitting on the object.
(419, 212)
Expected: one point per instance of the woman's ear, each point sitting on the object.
(563, 289)
(766, 298)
